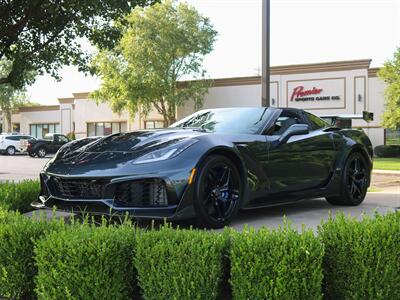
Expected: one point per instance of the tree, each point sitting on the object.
(39, 36)
(390, 74)
(11, 98)
(160, 46)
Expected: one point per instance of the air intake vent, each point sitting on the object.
(79, 188)
(142, 193)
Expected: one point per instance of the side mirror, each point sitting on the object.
(295, 129)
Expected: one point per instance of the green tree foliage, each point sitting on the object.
(39, 36)
(390, 73)
(160, 46)
(10, 97)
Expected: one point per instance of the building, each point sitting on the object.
(342, 87)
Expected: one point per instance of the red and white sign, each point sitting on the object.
(317, 94)
(300, 91)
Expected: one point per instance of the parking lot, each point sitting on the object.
(309, 212)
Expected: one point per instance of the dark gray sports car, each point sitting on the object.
(209, 165)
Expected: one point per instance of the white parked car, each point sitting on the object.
(12, 143)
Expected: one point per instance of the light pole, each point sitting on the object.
(265, 64)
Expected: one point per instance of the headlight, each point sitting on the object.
(166, 153)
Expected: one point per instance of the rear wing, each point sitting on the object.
(344, 120)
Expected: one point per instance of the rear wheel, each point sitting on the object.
(354, 182)
(41, 152)
(10, 150)
(218, 191)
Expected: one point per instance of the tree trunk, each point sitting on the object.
(7, 117)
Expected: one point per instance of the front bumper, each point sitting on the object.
(177, 206)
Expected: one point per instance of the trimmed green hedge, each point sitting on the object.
(179, 264)
(278, 264)
(348, 259)
(17, 266)
(19, 195)
(387, 151)
(362, 259)
(86, 263)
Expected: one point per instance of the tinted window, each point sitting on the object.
(227, 120)
(62, 139)
(315, 122)
(284, 121)
(13, 138)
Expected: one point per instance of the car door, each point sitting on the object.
(15, 141)
(58, 141)
(303, 161)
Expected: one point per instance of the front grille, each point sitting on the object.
(79, 188)
(142, 193)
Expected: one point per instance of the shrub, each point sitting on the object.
(86, 263)
(19, 195)
(278, 264)
(17, 267)
(387, 151)
(362, 259)
(179, 264)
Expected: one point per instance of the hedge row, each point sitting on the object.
(347, 260)
(362, 259)
(19, 196)
(387, 151)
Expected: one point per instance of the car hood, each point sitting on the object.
(115, 152)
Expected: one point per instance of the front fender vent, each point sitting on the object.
(142, 193)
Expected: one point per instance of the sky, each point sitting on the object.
(302, 31)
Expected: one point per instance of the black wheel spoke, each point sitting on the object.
(357, 178)
(221, 191)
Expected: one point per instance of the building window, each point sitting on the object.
(392, 137)
(40, 130)
(154, 124)
(105, 128)
(15, 127)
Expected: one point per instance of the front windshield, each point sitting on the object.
(246, 120)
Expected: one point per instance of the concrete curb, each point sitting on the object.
(386, 172)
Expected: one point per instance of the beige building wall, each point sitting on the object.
(227, 96)
(88, 111)
(36, 115)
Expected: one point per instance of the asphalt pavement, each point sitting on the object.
(307, 212)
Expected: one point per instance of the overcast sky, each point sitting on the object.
(302, 31)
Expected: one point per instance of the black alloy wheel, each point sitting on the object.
(218, 192)
(355, 181)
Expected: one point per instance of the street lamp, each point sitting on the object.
(265, 94)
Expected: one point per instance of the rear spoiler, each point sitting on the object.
(366, 116)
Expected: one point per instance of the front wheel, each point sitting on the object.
(354, 182)
(218, 192)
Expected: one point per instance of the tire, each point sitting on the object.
(41, 152)
(354, 181)
(11, 150)
(218, 192)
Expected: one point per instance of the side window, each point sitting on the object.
(13, 138)
(315, 122)
(283, 122)
(62, 139)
